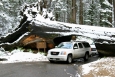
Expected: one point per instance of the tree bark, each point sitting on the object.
(110, 18)
(73, 11)
(114, 11)
(81, 13)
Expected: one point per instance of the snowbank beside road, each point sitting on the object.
(103, 67)
(20, 56)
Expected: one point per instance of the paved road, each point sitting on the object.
(41, 69)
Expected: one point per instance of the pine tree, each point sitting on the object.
(65, 10)
(105, 13)
(91, 13)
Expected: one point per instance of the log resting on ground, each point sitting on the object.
(105, 49)
(25, 26)
(8, 42)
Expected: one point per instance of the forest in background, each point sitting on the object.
(84, 12)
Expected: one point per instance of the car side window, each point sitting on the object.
(80, 45)
(86, 45)
(75, 46)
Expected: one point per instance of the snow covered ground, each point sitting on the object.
(18, 55)
(103, 67)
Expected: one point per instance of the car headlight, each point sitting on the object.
(48, 52)
(63, 53)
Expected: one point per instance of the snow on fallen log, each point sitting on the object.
(94, 32)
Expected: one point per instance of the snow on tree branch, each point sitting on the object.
(84, 30)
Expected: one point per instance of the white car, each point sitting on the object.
(93, 49)
(67, 51)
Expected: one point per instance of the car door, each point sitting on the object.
(75, 48)
(79, 51)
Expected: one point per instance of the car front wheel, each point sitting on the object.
(69, 59)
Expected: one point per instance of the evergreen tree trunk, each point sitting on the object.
(81, 13)
(114, 11)
(110, 18)
(73, 11)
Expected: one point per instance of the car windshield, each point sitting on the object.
(67, 45)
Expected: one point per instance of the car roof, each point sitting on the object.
(77, 41)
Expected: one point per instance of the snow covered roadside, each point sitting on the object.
(103, 67)
(20, 56)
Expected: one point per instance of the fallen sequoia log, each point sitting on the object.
(14, 40)
(105, 47)
(8, 43)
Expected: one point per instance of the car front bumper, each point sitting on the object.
(57, 57)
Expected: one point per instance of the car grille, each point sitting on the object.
(54, 53)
